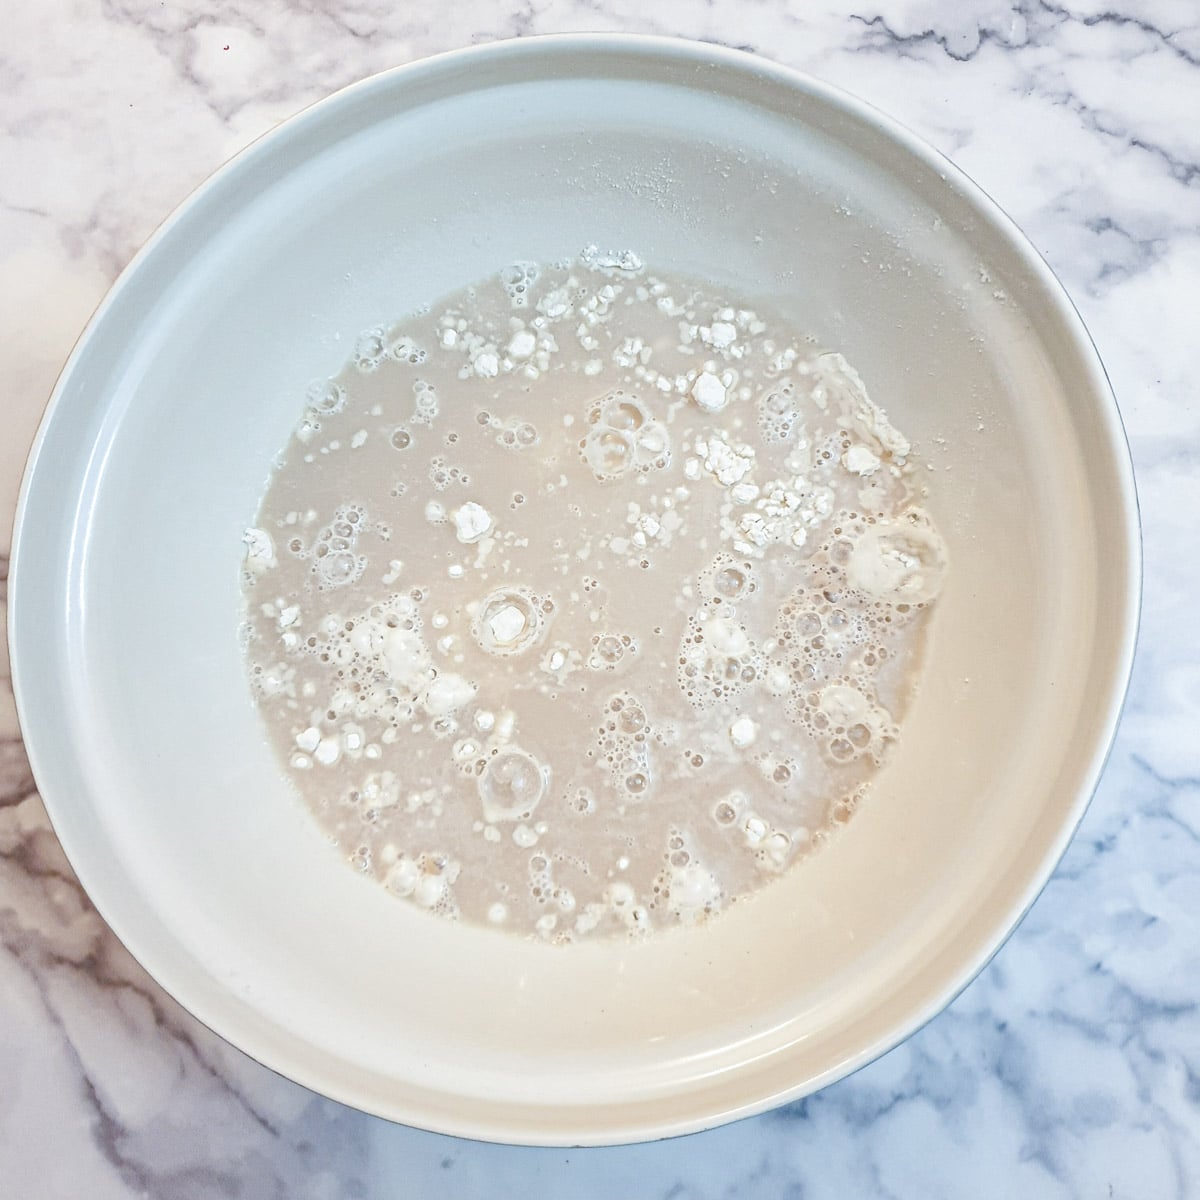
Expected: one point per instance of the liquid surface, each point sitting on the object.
(587, 601)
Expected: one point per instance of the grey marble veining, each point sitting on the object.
(1071, 1067)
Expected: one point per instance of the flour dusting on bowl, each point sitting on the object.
(587, 601)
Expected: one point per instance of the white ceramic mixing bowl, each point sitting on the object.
(155, 449)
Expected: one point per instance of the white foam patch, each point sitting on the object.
(447, 693)
(900, 560)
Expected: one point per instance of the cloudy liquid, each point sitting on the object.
(587, 601)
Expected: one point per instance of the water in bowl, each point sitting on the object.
(587, 601)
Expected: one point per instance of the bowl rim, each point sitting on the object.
(940, 993)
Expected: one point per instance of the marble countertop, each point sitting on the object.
(1071, 1067)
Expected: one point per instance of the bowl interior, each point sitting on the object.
(152, 460)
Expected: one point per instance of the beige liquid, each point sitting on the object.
(587, 601)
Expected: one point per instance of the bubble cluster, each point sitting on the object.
(425, 397)
(624, 737)
(427, 879)
(517, 435)
(835, 638)
(442, 474)
(383, 670)
(556, 900)
(379, 790)
(778, 412)
(581, 801)
(335, 560)
(687, 889)
(517, 279)
(370, 348)
(513, 434)
(623, 438)
(403, 349)
(853, 723)
(772, 845)
(717, 660)
(618, 905)
(610, 651)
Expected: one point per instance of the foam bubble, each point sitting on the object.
(403, 876)
(632, 719)
(403, 349)
(624, 437)
(621, 411)
(731, 583)
(854, 724)
(724, 813)
(429, 891)
(339, 569)
(511, 621)
(727, 580)
(609, 453)
(369, 349)
(518, 435)
(326, 397)
(625, 414)
(610, 650)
